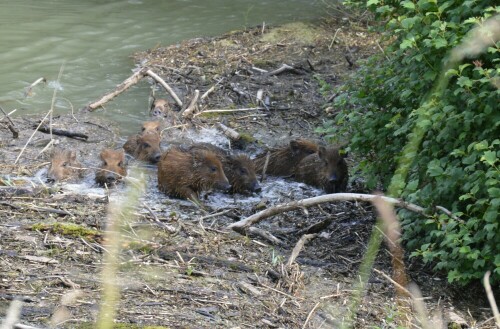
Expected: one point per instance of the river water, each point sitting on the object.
(94, 40)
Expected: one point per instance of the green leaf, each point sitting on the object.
(407, 43)
(440, 43)
(408, 5)
(489, 157)
(372, 2)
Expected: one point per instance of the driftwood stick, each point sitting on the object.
(29, 89)
(242, 225)
(130, 81)
(229, 111)
(61, 132)
(188, 113)
(230, 133)
(282, 69)
(298, 247)
(10, 125)
(162, 82)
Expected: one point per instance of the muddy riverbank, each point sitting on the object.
(180, 267)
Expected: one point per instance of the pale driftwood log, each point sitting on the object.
(243, 225)
(298, 247)
(162, 82)
(188, 112)
(230, 133)
(130, 81)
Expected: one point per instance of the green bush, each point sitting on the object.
(456, 165)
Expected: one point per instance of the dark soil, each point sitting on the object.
(179, 266)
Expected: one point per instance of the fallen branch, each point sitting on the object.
(61, 132)
(129, 82)
(229, 111)
(298, 247)
(188, 113)
(242, 225)
(162, 82)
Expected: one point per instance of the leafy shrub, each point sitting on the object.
(456, 164)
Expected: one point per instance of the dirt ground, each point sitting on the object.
(180, 267)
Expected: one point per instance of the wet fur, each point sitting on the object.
(326, 169)
(239, 168)
(145, 147)
(283, 160)
(63, 166)
(113, 167)
(184, 174)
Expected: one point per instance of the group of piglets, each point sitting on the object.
(186, 170)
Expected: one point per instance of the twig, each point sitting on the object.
(231, 133)
(265, 235)
(264, 168)
(29, 89)
(165, 85)
(208, 92)
(247, 222)
(298, 247)
(42, 121)
(491, 298)
(7, 116)
(188, 113)
(130, 81)
(388, 278)
(310, 314)
(333, 40)
(279, 291)
(282, 69)
(382, 50)
(229, 111)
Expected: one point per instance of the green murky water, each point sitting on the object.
(94, 39)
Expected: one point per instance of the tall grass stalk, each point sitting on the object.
(120, 213)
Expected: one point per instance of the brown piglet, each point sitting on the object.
(326, 169)
(113, 167)
(184, 173)
(145, 147)
(283, 160)
(239, 168)
(63, 166)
